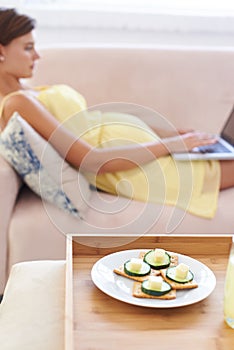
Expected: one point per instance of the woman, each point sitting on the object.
(150, 172)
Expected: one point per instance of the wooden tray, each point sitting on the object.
(95, 321)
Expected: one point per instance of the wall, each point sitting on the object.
(102, 25)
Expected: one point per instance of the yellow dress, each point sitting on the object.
(192, 186)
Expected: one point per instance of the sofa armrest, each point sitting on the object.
(10, 184)
(32, 313)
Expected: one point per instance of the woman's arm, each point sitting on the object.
(170, 132)
(81, 154)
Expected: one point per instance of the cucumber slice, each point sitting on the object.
(164, 289)
(149, 259)
(171, 274)
(145, 269)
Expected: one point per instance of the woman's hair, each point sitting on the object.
(14, 25)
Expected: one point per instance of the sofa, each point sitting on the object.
(189, 87)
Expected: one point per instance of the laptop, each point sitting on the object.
(223, 149)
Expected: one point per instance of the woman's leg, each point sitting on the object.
(227, 174)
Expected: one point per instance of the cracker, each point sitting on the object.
(137, 292)
(120, 271)
(178, 286)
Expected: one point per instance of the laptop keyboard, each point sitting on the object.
(214, 148)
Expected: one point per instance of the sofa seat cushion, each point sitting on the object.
(33, 307)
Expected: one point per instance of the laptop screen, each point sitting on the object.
(228, 129)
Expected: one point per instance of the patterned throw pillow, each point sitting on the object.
(42, 169)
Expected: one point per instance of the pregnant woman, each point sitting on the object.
(119, 153)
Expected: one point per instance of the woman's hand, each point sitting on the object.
(187, 141)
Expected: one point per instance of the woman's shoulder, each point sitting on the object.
(16, 97)
(9, 100)
(27, 94)
(15, 101)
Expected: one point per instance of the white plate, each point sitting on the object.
(120, 288)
